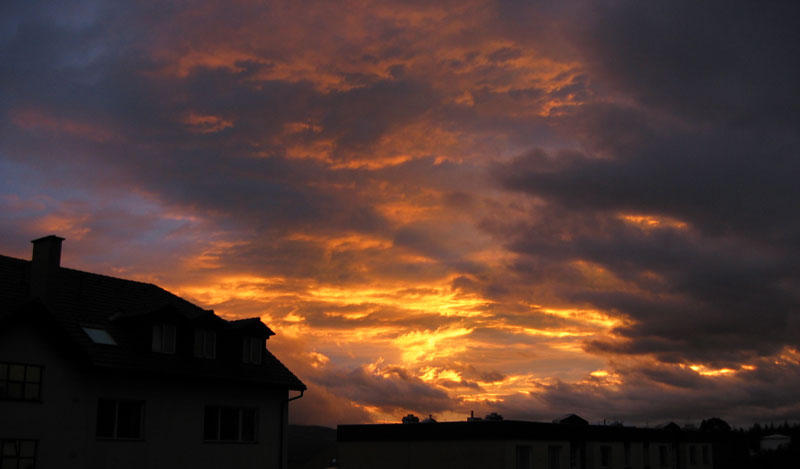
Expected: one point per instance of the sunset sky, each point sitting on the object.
(531, 208)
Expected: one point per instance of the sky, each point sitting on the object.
(530, 208)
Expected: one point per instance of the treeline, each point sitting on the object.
(756, 456)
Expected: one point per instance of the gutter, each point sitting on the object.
(284, 410)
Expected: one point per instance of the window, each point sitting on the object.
(99, 336)
(523, 457)
(18, 454)
(554, 457)
(663, 456)
(205, 343)
(692, 455)
(574, 455)
(605, 456)
(646, 454)
(20, 382)
(230, 424)
(164, 338)
(706, 456)
(121, 419)
(252, 348)
(627, 452)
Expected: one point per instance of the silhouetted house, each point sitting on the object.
(571, 419)
(101, 372)
(774, 442)
(508, 444)
(672, 426)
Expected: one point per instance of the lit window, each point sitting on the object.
(120, 419)
(205, 343)
(18, 454)
(20, 382)
(99, 336)
(230, 424)
(252, 348)
(164, 338)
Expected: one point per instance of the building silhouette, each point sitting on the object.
(567, 443)
(102, 372)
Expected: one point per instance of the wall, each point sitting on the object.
(501, 454)
(64, 421)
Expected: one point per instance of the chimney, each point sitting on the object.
(46, 260)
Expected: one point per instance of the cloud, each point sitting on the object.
(474, 205)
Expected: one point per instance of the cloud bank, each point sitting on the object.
(492, 206)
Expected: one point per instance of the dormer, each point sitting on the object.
(251, 335)
(162, 329)
(206, 335)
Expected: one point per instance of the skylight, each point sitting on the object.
(99, 336)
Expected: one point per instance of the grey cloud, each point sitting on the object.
(391, 394)
(703, 138)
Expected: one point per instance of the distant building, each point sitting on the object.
(775, 442)
(508, 444)
(101, 372)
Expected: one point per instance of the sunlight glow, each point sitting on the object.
(715, 372)
(428, 345)
(591, 316)
(648, 222)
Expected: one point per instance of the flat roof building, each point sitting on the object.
(510, 444)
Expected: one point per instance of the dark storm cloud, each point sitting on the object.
(722, 62)
(762, 395)
(393, 392)
(707, 141)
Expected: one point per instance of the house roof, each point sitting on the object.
(83, 299)
(571, 419)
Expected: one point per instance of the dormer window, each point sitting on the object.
(205, 343)
(164, 338)
(252, 348)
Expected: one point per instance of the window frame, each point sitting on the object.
(6, 382)
(523, 456)
(18, 458)
(606, 456)
(554, 456)
(240, 424)
(574, 455)
(663, 456)
(161, 332)
(116, 420)
(626, 451)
